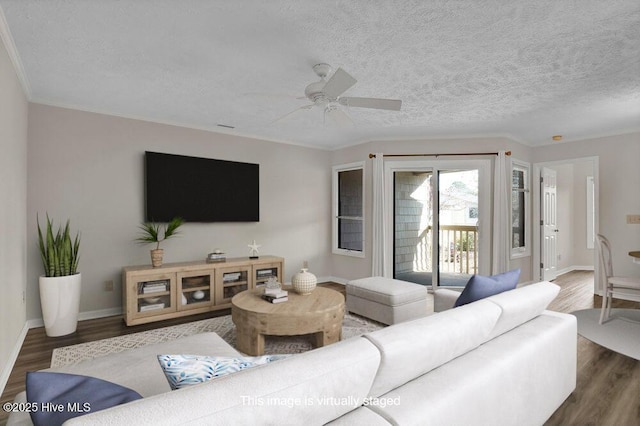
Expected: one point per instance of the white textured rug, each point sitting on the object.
(621, 333)
(352, 326)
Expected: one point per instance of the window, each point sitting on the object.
(348, 209)
(520, 239)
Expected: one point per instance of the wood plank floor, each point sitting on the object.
(607, 393)
(608, 385)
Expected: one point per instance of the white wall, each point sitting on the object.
(583, 257)
(89, 168)
(13, 208)
(619, 188)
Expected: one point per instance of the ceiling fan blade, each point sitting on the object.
(338, 116)
(291, 113)
(339, 82)
(390, 104)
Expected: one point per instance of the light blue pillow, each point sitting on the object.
(479, 287)
(187, 370)
(72, 395)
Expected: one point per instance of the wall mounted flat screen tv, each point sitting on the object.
(200, 189)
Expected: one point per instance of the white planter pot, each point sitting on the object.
(60, 302)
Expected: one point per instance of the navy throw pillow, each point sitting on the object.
(479, 287)
(60, 396)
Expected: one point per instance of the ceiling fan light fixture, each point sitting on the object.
(322, 70)
(314, 92)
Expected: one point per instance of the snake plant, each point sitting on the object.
(150, 231)
(59, 254)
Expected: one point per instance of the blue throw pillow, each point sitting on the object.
(479, 287)
(58, 397)
(187, 370)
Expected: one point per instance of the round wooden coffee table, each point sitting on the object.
(319, 313)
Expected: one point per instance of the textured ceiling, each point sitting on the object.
(520, 68)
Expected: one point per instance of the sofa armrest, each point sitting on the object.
(444, 299)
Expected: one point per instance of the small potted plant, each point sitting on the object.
(61, 283)
(151, 233)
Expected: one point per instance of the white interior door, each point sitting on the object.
(549, 225)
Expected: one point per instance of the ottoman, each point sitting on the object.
(386, 300)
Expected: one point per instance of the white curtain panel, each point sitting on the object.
(379, 240)
(500, 261)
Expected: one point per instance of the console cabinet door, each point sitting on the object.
(231, 281)
(152, 294)
(195, 289)
(262, 273)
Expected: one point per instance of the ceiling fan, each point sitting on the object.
(326, 94)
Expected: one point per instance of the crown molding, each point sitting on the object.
(10, 46)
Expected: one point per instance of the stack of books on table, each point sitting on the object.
(215, 257)
(276, 295)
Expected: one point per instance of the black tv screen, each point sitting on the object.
(200, 189)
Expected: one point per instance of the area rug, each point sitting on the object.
(351, 326)
(621, 333)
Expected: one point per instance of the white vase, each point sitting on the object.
(304, 282)
(60, 302)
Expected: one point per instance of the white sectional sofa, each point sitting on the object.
(504, 360)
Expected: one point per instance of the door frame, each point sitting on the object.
(548, 265)
(537, 167)
(485, 182)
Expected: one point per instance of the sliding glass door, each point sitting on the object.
(440, 217)
(413, 226)
(458, 229)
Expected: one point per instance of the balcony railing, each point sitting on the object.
(458, 249)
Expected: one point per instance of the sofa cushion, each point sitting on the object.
(310, 388)
(413, 348)
(479, 287)
(188, 370)
(71, 395)
(519, 378)
(521, 305)
(138, 368)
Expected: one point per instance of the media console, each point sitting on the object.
(180, 289)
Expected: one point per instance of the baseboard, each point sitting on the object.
(82, 316)
(337, 280)
(583, 268)
(575, 268)
(102, 313)
(6, 372)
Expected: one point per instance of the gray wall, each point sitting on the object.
(89, 168)
(13, 208)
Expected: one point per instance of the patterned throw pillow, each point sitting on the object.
(187, 370)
